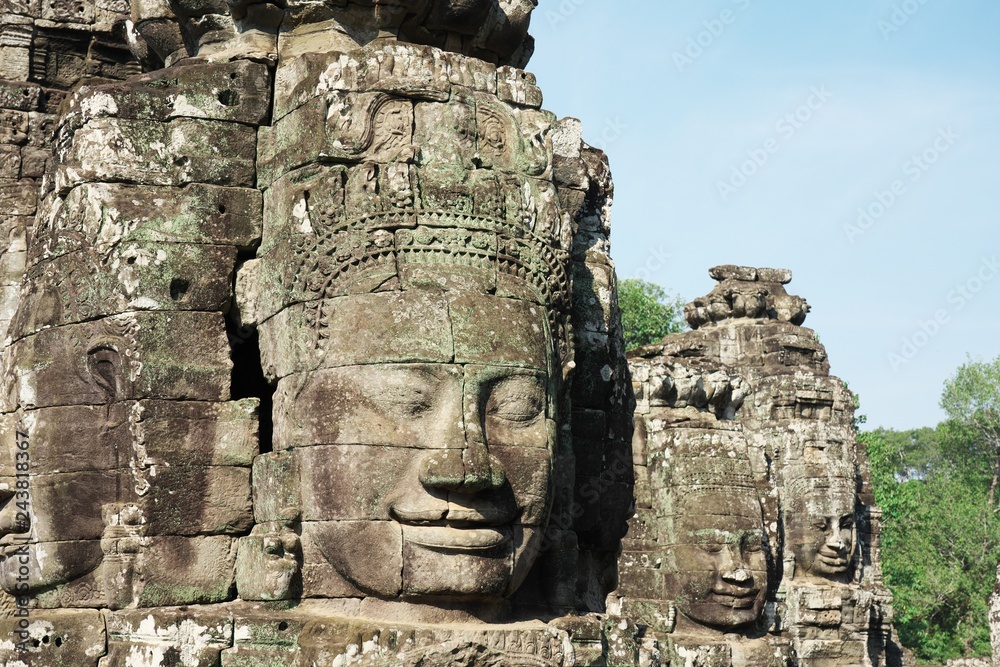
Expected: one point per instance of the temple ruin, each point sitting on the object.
(313, 357)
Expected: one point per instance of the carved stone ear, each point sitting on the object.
(105, 366)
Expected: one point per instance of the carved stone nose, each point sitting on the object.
(740, 576)
(469, 470)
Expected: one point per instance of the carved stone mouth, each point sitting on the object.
(831, 559)
(737, 599)
(456, 538)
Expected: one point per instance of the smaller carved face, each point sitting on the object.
(721, 566)
(823, 534)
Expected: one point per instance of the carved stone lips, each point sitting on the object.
(455, 538)
(831, 558)
(737, 599)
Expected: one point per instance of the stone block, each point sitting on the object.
(394, 405)
(166, 154)
(78, 438)
(594, 375)
(68, 506)
(56, 638)
(446, 135)
(275, 486)
(203, 214)
(481, 573)
(20, 95)
(187, 571)
(195, 433)
(137, 277)
(293, 141)
(304, 201)
(180, 355)
(237, 92)
(351, 483)
(401, 327)
(593, 286)
(496, 330)
(35, 162)
(13, 127)
(80, 12)
(529, 472)
(19, 198)
(147, 636)
(344, 556)
(197, 500)
(10, 162)
(262, 641)
(268, 564)
(518, 87)
(423, 256)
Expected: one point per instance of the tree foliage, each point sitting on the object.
(649, 312)
(972, 397)
(941, 528)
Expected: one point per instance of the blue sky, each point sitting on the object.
(757, 133)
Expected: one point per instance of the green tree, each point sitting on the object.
(914, 453)
(972, 397)
(941, 527)
(649, 312)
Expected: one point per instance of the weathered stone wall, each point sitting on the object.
(45, 49)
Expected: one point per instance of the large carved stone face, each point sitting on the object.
(823, 534)
(721, 577)
(424, 462)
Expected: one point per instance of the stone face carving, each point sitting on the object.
(407, 233)
(718, 553)
(744, 404)
(316, 359)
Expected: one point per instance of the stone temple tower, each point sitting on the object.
(749, 388)
(313, 357)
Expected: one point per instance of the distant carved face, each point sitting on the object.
(425, 462)
(721, 577)
(823, 534)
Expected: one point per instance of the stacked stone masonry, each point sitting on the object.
(313, 357)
